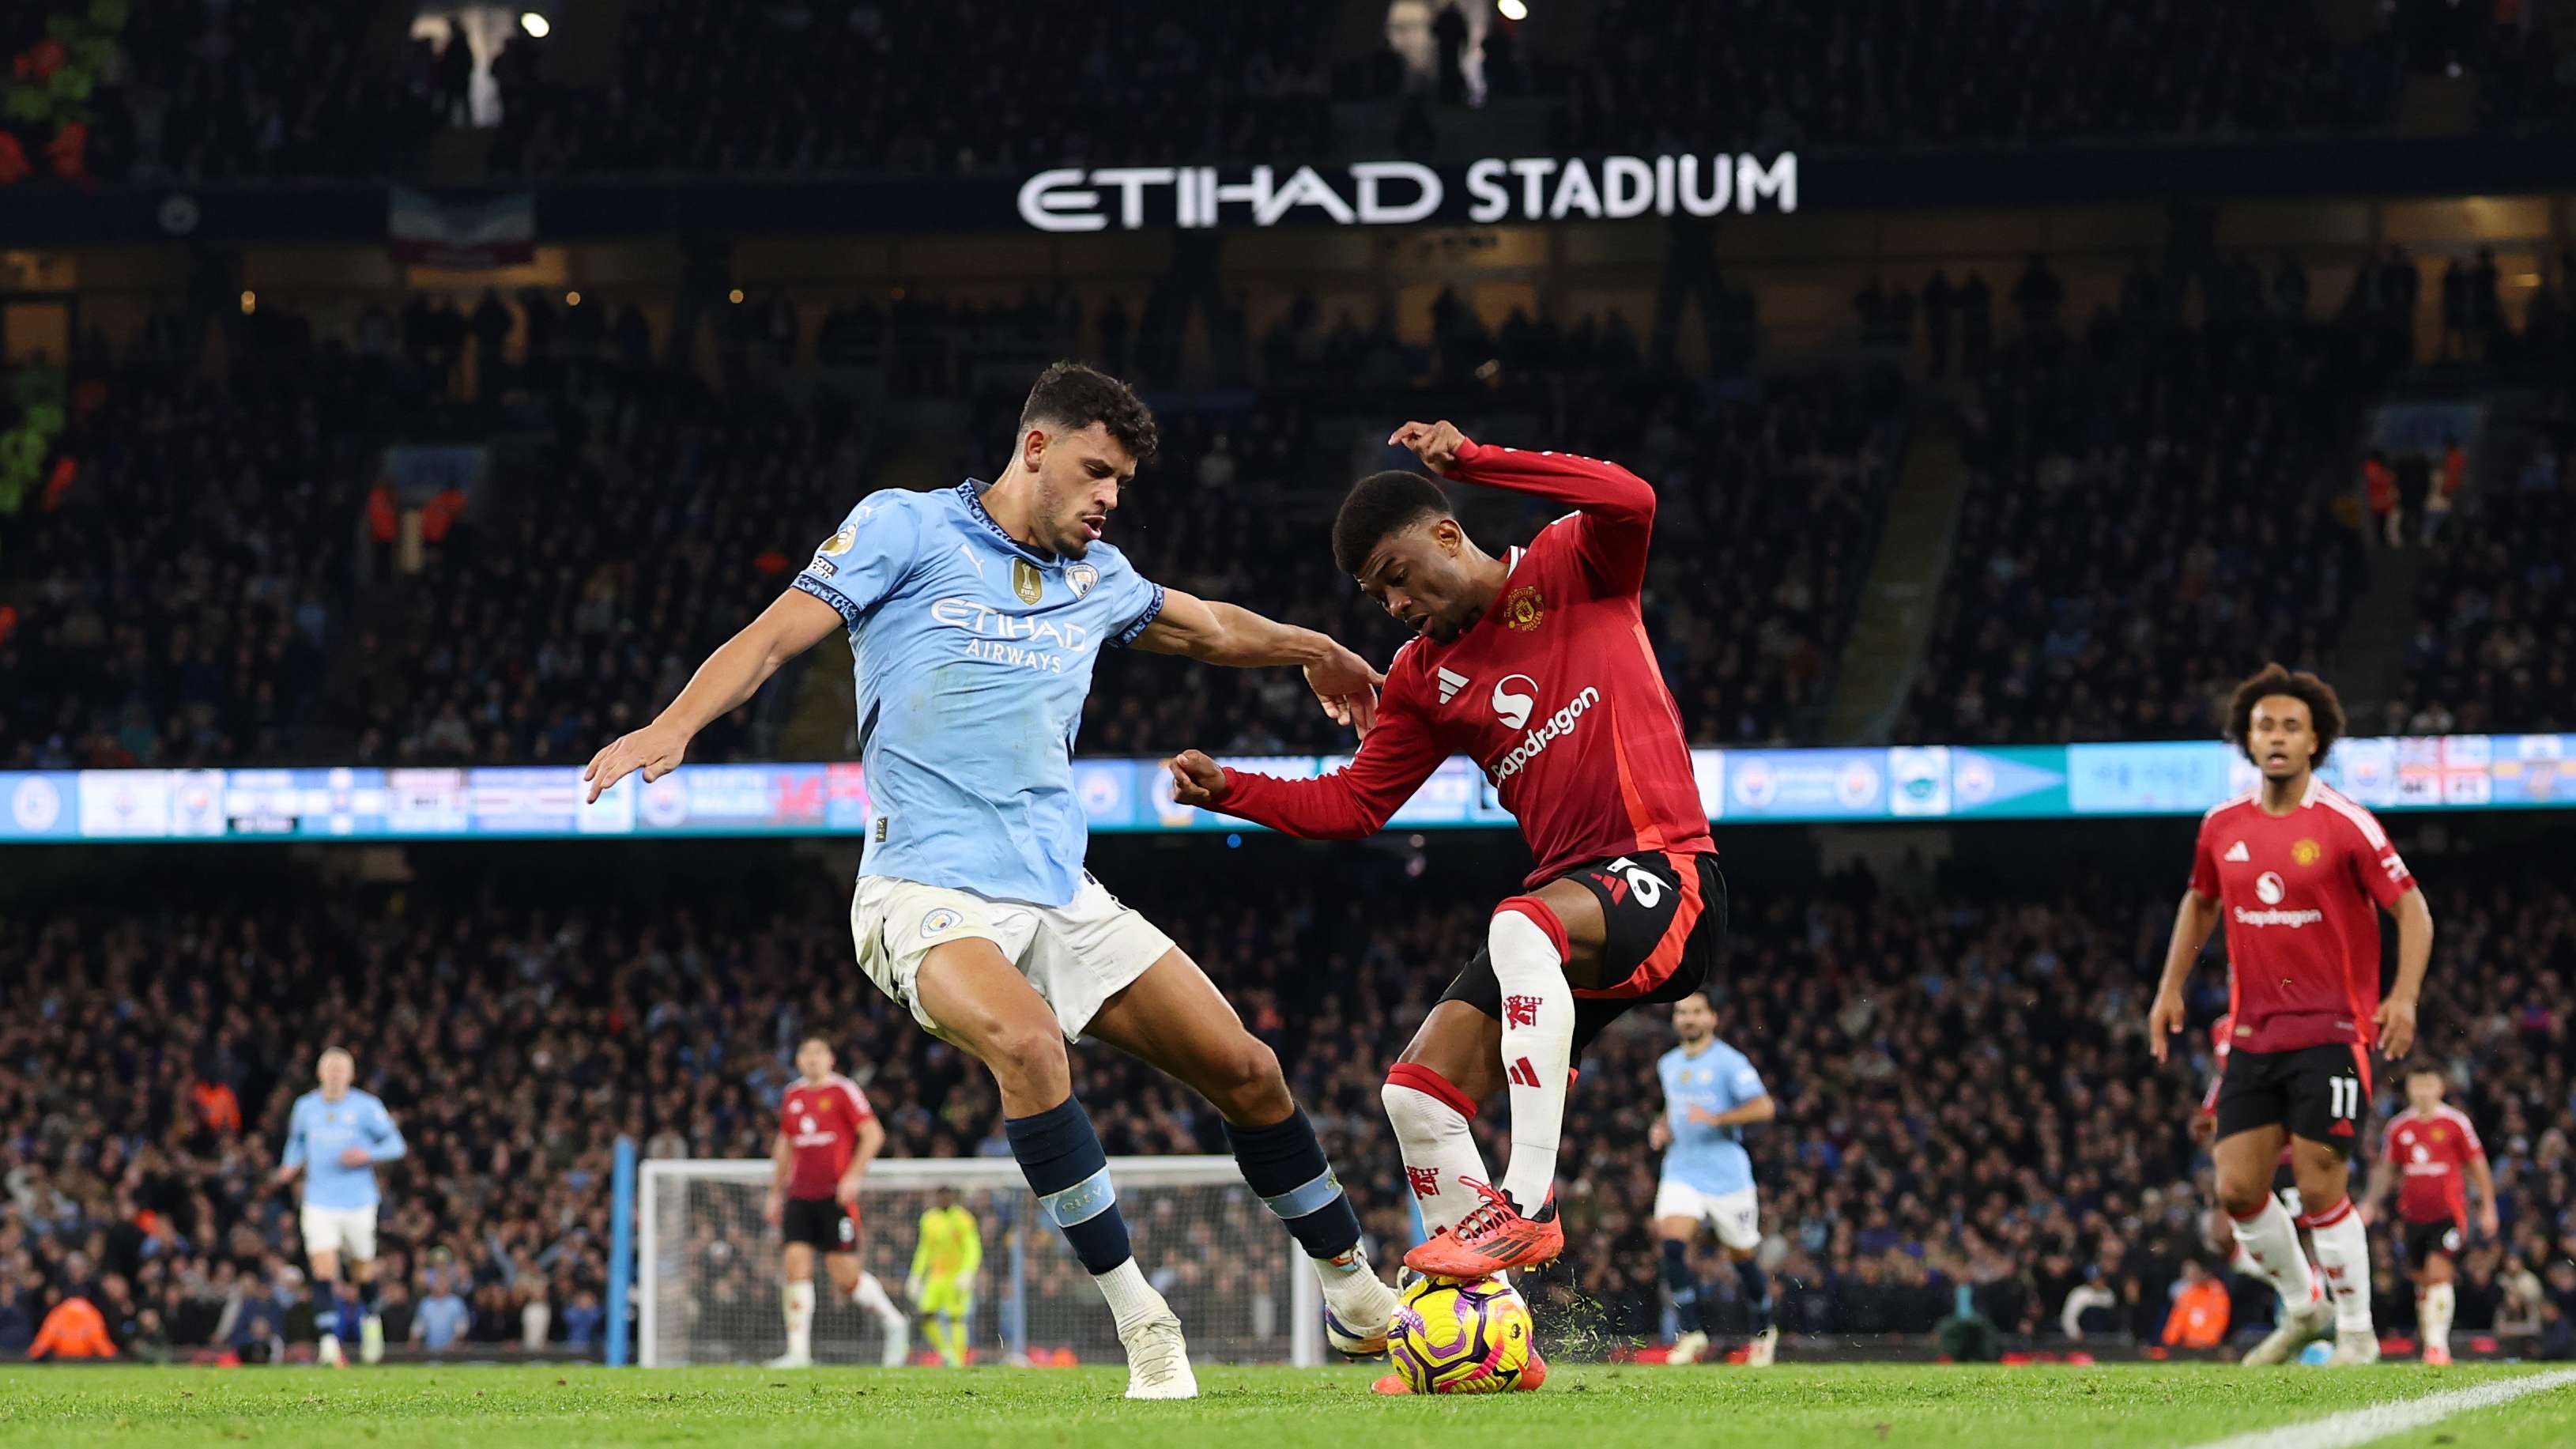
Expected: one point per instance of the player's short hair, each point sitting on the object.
(812, 1039)
(1072, 396)
(341, 1052)
(1380, 504)
(2325, 710)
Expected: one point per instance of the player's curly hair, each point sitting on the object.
(2325, 710)
(1070, 395)
(1380, 504)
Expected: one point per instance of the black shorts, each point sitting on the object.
(2423, 1240)
(1663, 919)
(2318, 1092)
(822, 1223)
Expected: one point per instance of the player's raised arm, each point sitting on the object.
(1348, 804)
(1617, 506)
(1219, 633)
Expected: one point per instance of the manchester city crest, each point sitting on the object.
(1080, 578)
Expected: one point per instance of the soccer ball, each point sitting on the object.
(1461, 1338)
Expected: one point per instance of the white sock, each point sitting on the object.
(2438, 1301)
(800, 1319)
(2343, 1254)
(2269, 1243)
(1132, 1300)
(1538, 1050)
(1438, 1146)
(871, 1295)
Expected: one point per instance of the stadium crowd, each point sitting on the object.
(176, 91)
(2150, 511)
(1964, 1095)
(634, 515)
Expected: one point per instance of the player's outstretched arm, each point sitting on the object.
(2194, 919)
(1617, 506)
(734, 673)
(2396, 1015)
(1351, 803)
(1212, 632)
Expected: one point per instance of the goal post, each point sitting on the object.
(707, 1269)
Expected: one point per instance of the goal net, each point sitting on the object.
(708, 1275)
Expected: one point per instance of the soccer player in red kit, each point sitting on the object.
(1535, 664)
(2295, 869)
(2430, 1151)
(827, 1136)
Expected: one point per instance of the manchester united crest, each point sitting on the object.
(2306, 852)
(1026, 581)
(1524, 607)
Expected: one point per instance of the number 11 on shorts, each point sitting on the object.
(2343, 1097)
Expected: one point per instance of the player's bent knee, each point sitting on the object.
(1247, 1086)
(2242, 1200)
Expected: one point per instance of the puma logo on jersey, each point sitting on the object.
(2237, 852)
(1451, 681)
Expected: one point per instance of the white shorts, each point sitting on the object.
(1737, 1215)
(340, 1230)
(1077, 955)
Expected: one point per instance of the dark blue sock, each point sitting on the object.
(344, 1316)
(1060, 1155)
(369, 1296)
(1757, 1291)
(1681, 1285)
(1284, 1164)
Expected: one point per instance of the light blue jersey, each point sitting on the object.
(319, 1131)
(973, 657)
(1711, 1160)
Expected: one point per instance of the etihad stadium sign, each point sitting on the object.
(1497, 189)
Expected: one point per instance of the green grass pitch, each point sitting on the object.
(1597, 1408)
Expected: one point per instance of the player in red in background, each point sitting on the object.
(1536, 665)
(2296, 868)
(2431, 1149)
(827, 1136)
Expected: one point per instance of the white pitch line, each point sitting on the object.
(2378, 1421)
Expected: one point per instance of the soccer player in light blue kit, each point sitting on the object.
(975, 614)
(1711, 1093)
(337, 1137)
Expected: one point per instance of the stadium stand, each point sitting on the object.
(1908, 1024)
(2149, 518)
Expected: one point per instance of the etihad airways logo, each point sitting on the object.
(1012, 639)
(1555, 727)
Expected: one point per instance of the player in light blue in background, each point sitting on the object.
(337, 1137)
(1711, 1093)
(975, 615)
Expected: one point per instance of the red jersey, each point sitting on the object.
(2302, 937)
(1555, 693)
(2432, 1154)
(821, 1123)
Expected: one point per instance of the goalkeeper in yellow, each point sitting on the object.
(942, 1285)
